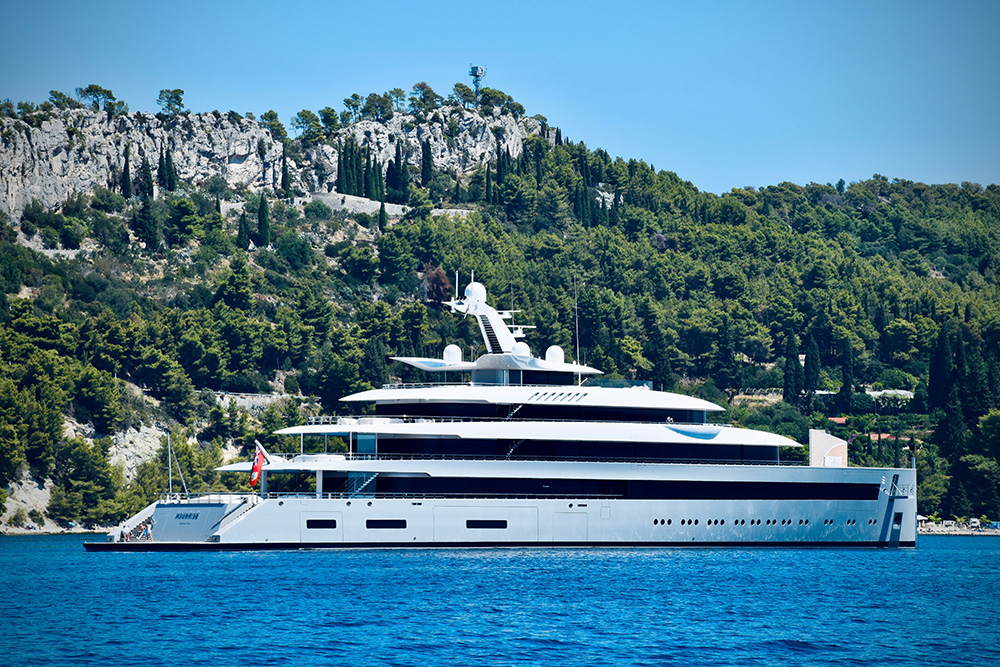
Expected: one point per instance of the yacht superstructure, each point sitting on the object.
(525, 453)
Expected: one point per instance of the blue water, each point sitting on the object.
(935, 605)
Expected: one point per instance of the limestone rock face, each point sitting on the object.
(79, 150)
(461, 139)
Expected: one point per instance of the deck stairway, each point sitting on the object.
(491, 336)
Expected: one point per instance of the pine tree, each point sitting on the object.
(263, 223)
(127, 176)
(426, 164)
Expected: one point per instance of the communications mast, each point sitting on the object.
(477, 73)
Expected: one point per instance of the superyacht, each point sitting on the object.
(526, 451)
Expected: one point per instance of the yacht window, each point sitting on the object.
(385, 523)
(312, 524)
(498, 524)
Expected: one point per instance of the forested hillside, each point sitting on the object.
(173, 290)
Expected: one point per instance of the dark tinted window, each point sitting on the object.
(321, 523)
(500, 524)
(385, 523)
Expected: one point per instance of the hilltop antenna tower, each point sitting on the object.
(477, 73)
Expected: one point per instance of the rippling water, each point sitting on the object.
(935, 605)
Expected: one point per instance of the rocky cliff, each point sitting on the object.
(79, 150)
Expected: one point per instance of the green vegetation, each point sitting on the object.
(887, 284)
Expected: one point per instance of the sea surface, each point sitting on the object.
(934, 605)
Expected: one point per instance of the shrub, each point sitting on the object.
(18, 518)
(317, 210)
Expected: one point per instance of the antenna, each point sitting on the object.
(456, 285)
(576, 313)
(477, 73)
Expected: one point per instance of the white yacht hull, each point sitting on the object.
(308, 521)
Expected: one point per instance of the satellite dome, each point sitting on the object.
(555, 354)
(475, 292)
(453, 354)
(521, 349)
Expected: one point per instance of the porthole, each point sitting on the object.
(874, 521)
(807, 522)
(663, 522)
(800, 522)
(723, 522)
(696, 522)
(669, 521)
(656, 522)
(682, 522)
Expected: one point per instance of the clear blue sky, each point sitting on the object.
(726, 94)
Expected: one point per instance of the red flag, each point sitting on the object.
(258, 463)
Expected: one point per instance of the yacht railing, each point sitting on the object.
(349, 496)
(371, 420)
(349, 456)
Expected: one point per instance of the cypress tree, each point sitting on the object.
(810, 378)
(127, 176)
(369, 176)
(489, 185)
(727, 369)
(144, 225)
(792, 388)
(383, 219)
(145, 178)
(340, 169)
(404, 178)
(171, 172)
(846, 374)
(263, 223)
(243, 235)
(426, 164)
(457, 197)
(286, 179)
(379, 181)
(359, 173)
(939, 377)
(161, 171)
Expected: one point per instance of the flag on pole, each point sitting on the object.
(258, 464)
